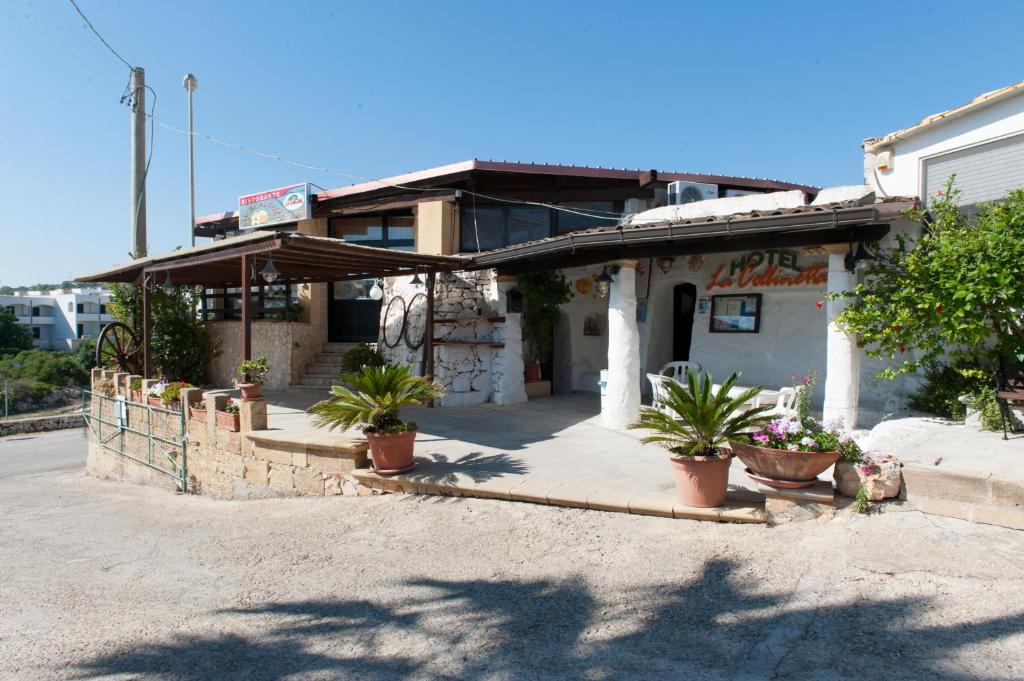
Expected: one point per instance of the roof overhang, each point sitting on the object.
(815, 226)
(299, 258)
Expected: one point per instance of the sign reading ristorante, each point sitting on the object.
(771, 267)
(274, 207)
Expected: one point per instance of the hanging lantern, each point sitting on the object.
(168, 284)
(377, 292)
(269, 272)
(416, 281)
(604, 283)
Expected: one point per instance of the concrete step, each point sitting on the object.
(314, 380)
(329, 358)
(969, 496)
(324, 369)
(338, 347)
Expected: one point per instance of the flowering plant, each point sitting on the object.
(157, 389)
(807, 435)
(230, 407)
(172, 391)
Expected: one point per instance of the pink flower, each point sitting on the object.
(761, 438)
(820, 304)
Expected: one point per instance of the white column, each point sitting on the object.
(507, 382)
(842, 377)
(621, 405)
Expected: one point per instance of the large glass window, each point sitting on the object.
(394, 232)
(271, 301)
(485, 227)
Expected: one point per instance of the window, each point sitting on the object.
(80, 308)
(35, 311)
(79, 331)
(103, 309)
(485, 227)
(35, 332)
(71, 306)
(394, 231)
(269, 301)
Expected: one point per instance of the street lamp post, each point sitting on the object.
(190, 84)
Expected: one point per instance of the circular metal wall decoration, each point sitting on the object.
(118, 348)
(416, 322)
(395, 316)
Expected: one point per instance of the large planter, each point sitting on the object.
(701, 481)
(136, 396)
(781, 467)
(251, 391)
(879, 476)
(228, 421)
(154, 401)
(197, 414)
(391, 452)
(531, 372)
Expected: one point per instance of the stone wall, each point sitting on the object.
(39, 424)
(478, 354)
(288, 347)
(254, 462)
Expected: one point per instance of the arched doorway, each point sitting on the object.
(684, 302)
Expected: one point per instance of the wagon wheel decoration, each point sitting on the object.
(118, 347)
(416, 322)
(394, 318)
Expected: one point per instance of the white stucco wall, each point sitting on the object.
(999, 120)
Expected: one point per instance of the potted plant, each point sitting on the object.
(254, 375)
(701, 422)
(543, 293)
(198, 410)
(171, 396)
(372, 403)
(792, 452)
(228, 417)
(135, 389)
(155, 393)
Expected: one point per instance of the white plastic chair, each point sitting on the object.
(785, 406)
(659, 393)
(677, 370)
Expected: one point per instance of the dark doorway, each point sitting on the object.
(352, 315)
(684, 301)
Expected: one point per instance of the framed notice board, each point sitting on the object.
(739, 313)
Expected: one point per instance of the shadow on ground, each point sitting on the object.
(715, 626)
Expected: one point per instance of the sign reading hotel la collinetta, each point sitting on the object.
(770, 268)
(274, 207)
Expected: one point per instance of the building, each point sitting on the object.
(463, 209)
(981, 142)
(59, 319)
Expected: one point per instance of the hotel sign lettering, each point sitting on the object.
(768, 268)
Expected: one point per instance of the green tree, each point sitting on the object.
(543, 292)
(956, 290)
(13, 336)
(179, 343)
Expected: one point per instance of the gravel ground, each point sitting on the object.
(107, 580)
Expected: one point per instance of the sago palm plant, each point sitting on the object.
(702, 419)
(374, 399)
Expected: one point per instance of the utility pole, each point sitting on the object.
(138, 214)
(191, 83)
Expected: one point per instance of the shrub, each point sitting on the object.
(172, 392)
(543, 292)
(56, 369)
(254, 370)
(85, 353)
(945, 383)
(362, 355)
(377, 395)
(12, 334)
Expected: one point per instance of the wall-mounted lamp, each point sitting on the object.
(269, 272)
(604, 283)
(168, 284)
(377, 292)
(853, 260)
(416, 280)
(665, 263)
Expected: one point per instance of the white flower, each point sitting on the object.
(793, 447)
(157, 389)
(794, 427)
(845, 438)
(807, 441)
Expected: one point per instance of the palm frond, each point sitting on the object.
(375, 396)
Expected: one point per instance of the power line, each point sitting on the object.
(102, 39)
(585, 212)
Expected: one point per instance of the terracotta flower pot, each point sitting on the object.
(701, 481)
(136, 396)
(154, 401)
(391, 452)
(228, 421)
(531, 372)
(783, 466)
(251, 391)
(197, 414)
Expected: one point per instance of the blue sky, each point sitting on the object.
(784, 90)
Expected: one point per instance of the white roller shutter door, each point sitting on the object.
(985, 172)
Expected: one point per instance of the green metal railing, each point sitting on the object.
(110, 433)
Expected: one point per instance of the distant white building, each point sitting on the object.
(982, 142)
(58, 320)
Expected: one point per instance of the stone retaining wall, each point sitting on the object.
(252, 463)
(39, 424)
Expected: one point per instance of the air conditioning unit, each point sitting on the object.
(687, 192)
(729, 193)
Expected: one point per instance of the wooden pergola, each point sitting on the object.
(298, 259)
